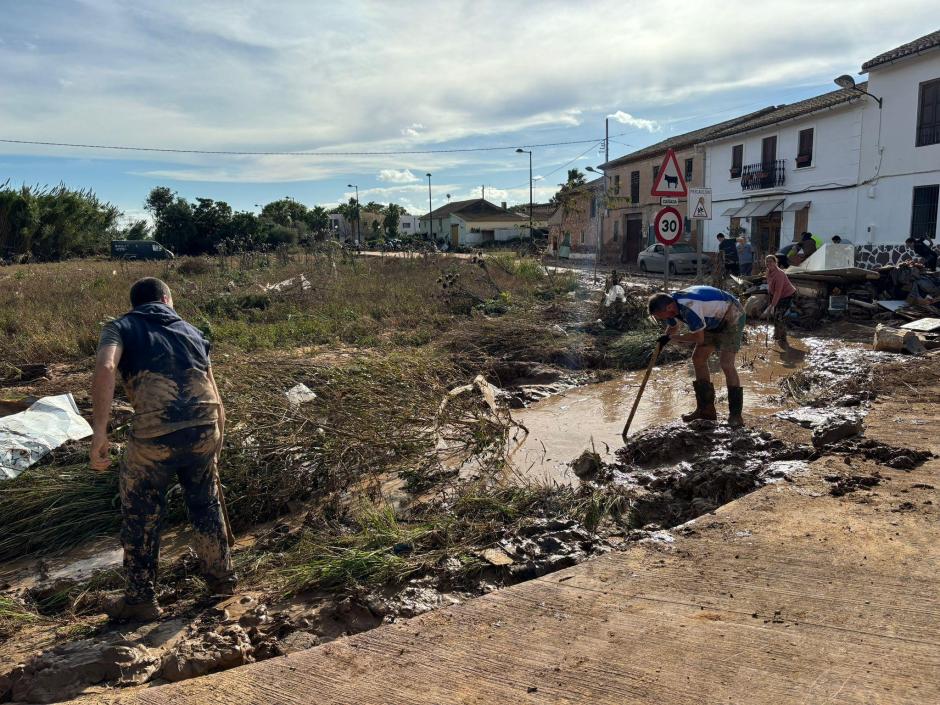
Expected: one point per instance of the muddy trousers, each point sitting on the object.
(149, 468)
(780, 319)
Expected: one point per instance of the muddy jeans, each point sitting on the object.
(148, 469)
(780, 320)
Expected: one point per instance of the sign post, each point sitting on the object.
(670, 186)
(668, 227)
(700, 208)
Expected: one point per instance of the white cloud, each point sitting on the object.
(397, 176)
(413, 131)
(627, 119)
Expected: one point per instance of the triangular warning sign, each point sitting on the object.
(700, 210)
(670, 181)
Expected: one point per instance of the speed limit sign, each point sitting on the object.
(668, 226)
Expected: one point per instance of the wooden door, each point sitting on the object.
(632, 239)
(769, 152)
(454, 235)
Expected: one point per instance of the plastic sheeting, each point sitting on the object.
(27, 436)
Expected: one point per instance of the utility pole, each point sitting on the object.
(529, 152)
(430, 225)
(483, 192)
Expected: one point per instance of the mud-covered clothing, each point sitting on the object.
(781, 309)
(164, 366)
(807, 247)
(922, 249)
(149, 468)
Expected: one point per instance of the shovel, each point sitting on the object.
(639, 394)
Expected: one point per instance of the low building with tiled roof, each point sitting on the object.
(473, 222)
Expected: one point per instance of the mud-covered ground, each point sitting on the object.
(570, 489)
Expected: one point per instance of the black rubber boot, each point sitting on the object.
(120, 609)
(704, 402)
(735, 406)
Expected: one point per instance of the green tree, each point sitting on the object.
(158, 200)
(138, 230)
(393, 214)
(565, 196)
(176, 229)
(318, 222)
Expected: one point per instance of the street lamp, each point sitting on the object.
(358, 231)
(430, 222)
(846, 81)
(529, 152)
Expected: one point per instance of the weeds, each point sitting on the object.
(14, 616)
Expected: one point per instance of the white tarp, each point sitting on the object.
(27, 436)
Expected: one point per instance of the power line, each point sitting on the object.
(171, 150)
(553, 171)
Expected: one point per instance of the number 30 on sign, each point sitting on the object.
(668, 226)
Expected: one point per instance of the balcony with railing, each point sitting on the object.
(763, 176)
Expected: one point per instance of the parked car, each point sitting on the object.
(682, 259)
(139, 250)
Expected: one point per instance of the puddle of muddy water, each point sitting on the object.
(563, 426)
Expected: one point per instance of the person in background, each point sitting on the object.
(781, 292)
(922, 249)
(728, 254)
(745, 256)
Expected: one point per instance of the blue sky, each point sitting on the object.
(398, 76)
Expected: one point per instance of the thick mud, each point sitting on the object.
(592, 416)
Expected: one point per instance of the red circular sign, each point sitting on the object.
(668, 226)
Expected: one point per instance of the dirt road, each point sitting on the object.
(788, 595)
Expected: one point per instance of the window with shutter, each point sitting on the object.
(635, 187)
(804, 155)
(737, 160)
(928, 114)
(616, 183)
(688, 170)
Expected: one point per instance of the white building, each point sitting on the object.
(409, 224)
(787, 171)
(900, 150)
(474, 222)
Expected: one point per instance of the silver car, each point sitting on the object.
(682, 259)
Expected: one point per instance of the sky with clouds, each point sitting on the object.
(333, 78)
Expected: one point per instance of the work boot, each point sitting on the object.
(704, 402)
(224, 587)
(121, 609)
(735, 406)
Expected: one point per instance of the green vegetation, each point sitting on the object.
(43, 223)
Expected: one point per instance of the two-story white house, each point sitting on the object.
(899, 177)
(787, 171)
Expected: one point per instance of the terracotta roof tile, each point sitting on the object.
(928, 41)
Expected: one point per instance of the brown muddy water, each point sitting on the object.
(563, 426)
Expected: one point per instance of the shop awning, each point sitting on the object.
(797, 206)
(731, 212)
(759, 209)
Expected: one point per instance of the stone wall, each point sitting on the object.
(872, 256)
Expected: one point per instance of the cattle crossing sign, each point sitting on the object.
(670, 181)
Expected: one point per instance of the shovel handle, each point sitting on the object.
(639, 394)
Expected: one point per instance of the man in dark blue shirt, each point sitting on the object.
(176, 436)
(728, 251)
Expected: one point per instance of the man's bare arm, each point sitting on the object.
(102, 394)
